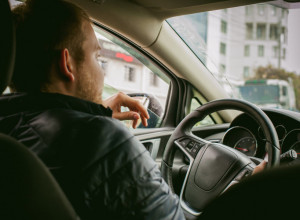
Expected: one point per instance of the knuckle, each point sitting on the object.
(120, 94)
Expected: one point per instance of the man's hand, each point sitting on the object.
(137, 110)
(260, 167)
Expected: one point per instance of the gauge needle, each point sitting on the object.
(242, 149)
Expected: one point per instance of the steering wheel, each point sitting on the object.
(213, 166)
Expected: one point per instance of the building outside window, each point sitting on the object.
(246, 72)
(153, 79)
(223, 48)
(129, 74)
(247, 50)
(222, 69)
(284, 90)
(261, 31)
(261, 50)
(283, 34)
(223, 27)
(104, 64)
(249, 10)
(249, 30)
(261, 9)
(273, 10)
(273, 32)
(283, 53)
(275, 51)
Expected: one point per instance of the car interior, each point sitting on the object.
(185, 153)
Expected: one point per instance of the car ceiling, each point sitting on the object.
(171, 8)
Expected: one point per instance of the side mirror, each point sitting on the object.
(153, 106)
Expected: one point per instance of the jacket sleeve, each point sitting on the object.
(127, 184)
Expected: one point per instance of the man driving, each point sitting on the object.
(59, 114)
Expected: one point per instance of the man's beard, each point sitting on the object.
(88, 88)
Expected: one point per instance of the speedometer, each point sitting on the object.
(247, 146)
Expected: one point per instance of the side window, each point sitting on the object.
(128, 71)
(194, 101)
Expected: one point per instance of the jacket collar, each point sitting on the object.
(21, 102)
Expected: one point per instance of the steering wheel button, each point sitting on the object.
(190, 145)
(185, 142)
(197, 146)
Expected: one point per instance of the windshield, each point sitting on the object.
(252, 51)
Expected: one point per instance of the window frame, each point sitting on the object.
(260, 51)
(249, 26)
(129, 73)
(247, 50)
(223, 26)
(223, 48)
(263, 32)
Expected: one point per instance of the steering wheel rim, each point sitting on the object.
(184, 130)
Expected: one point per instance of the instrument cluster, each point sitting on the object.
(246, 136)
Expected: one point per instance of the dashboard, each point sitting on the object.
(245, 135)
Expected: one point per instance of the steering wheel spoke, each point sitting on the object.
(244, 173)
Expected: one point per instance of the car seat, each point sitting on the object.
(27, 188)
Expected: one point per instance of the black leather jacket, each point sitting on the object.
(104, 171)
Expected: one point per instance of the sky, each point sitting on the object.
(293, 55)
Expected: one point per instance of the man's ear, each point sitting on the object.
(66, 65)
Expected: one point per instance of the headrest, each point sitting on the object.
(7, 42)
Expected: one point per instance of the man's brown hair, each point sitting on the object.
(43, 29)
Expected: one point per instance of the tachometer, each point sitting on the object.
(242, 140)
(247, 146)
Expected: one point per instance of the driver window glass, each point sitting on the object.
(128, 71)
(207, 120)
